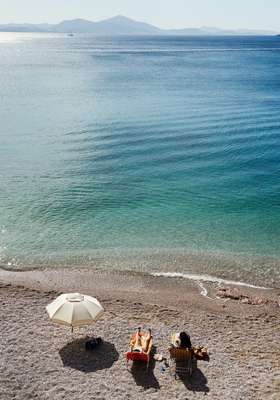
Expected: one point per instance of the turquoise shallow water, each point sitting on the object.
(159, 145)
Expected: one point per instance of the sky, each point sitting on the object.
(230, 14)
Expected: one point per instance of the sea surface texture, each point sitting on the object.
(144, 153)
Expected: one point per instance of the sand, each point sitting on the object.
(40, 360)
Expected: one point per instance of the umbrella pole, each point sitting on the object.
(72, 329)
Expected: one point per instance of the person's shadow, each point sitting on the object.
(144, 376)
(197, 382)
(74, 355)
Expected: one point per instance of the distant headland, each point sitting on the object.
(121, 25)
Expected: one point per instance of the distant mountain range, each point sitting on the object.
(121, 25)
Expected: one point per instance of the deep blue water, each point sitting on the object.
(166, 144)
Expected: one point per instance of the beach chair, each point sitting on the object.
(180, 362)
(139, 356)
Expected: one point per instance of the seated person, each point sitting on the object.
(140, 342)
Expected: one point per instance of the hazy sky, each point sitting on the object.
(260, 14)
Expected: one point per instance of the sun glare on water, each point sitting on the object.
(9, 37)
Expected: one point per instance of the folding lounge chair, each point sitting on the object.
(139, 356)
(181, 361)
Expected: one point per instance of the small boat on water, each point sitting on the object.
(70, 34)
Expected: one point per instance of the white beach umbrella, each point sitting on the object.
(74, 309)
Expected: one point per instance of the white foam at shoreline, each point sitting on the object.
(203, 291)
(206, 278)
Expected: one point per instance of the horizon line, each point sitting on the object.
(144, 22)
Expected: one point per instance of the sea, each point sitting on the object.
(151, 154)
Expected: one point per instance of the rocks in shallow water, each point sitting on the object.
(236, 294)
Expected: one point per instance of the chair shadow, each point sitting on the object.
(197, 382)
(74, 355)
(144, 376)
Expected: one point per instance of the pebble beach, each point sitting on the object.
(40, 360)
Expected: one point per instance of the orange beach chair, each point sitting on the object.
(139, 356)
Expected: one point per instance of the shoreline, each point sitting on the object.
(206, 266)
(162, 288)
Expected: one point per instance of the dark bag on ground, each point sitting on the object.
(93, 343)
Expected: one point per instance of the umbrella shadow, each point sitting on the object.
(197, 382)
(74, 355)
(144, 376)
